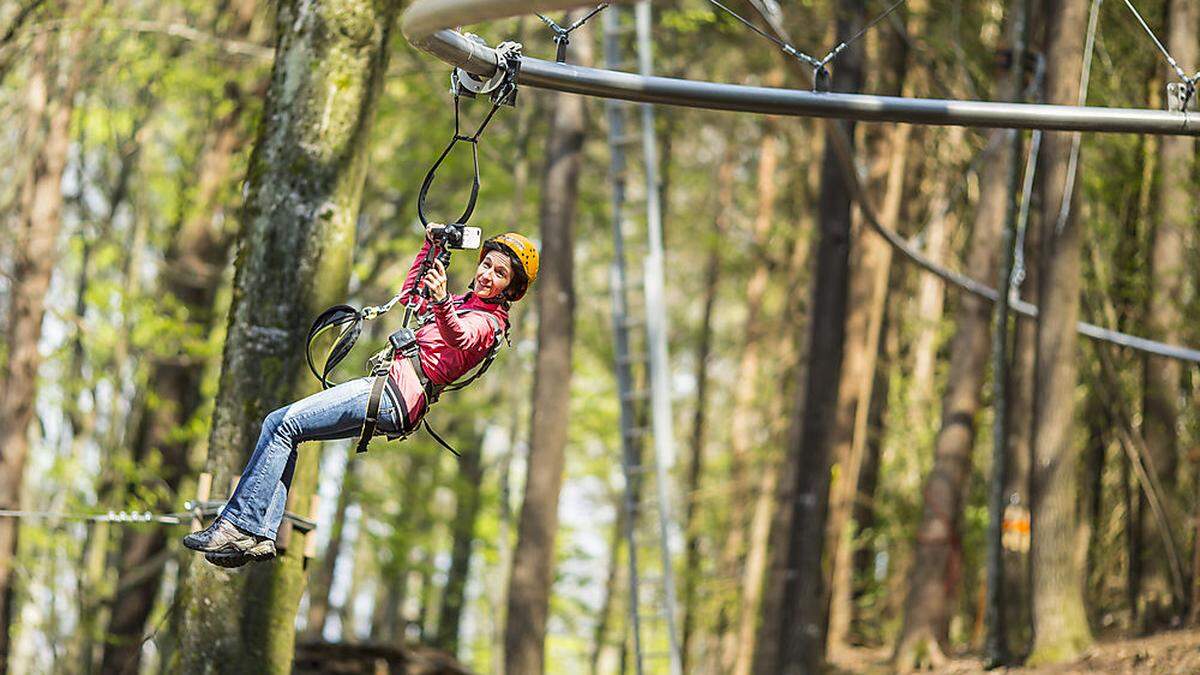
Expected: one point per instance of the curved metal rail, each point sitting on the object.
(426, 26)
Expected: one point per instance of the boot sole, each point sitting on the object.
(235, 547)
(263, 551)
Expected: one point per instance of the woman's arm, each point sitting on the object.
(470, 332)
(414, 273)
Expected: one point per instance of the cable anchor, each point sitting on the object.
(562, 36)
(1181, 96)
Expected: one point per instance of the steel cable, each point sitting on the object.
(841, 145)
(1158, 43)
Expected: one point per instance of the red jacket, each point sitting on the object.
(456, 339)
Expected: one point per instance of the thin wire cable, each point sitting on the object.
(1159, 44)
(769, 11)
(786, 47)
(191, 510)
(842, 46)
(559, 30)
(1018, 270)
(1017, 275)
(817, 64)
(842, 148)
(109, 517)
(1064, 209)
(841, 145)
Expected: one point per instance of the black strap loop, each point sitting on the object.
(510, 63)
(350, 322)
(425, 184)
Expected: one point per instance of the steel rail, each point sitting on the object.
(426, 26)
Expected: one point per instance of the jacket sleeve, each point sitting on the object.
(410, 288)
(471, 332)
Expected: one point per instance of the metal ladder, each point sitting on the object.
(647, 499)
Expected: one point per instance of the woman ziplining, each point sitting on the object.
(457, 334)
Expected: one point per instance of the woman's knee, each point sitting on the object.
(275, 422)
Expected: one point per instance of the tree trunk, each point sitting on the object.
(303, 189)
(712, 274)
(744, 418)
(1157, 603)
(776, 508)
(931, 593)
(533, 558)
(602, 656)
(322, 579)
(1060, 628)
(802, 635)
(467, 502)
(35, 254)
(865, 514)
(871, 263)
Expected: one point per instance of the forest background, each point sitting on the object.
(153, 149)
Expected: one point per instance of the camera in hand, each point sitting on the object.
(457, 236)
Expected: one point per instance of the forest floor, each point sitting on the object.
(1169, 652)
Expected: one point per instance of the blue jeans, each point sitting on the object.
(257, 504)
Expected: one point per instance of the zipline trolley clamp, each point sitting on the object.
(1181, 96)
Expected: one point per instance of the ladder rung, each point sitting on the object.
(639, 395)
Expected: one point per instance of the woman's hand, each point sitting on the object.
(435, 281)
(430, 228)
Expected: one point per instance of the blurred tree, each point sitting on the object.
(804, 616)
(532, 575)
(56, 70)
(1169, 244)
(1060, 627)
(190, 275)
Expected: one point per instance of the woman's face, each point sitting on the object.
(493, 275)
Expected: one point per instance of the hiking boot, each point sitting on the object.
(263, 550)
(223, 537)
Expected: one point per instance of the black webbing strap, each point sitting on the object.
(350, 322)
(440, 440)
(510, 62)
(372, 419)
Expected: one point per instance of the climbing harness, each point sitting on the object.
(348, 321)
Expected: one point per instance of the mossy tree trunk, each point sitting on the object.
(1060, 627)
(532, 573)
(302, 195)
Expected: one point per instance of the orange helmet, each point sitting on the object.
(523, 252)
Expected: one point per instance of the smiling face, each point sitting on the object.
(493, 275)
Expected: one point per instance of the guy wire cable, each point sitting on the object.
(842, 148)
(845, 160)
